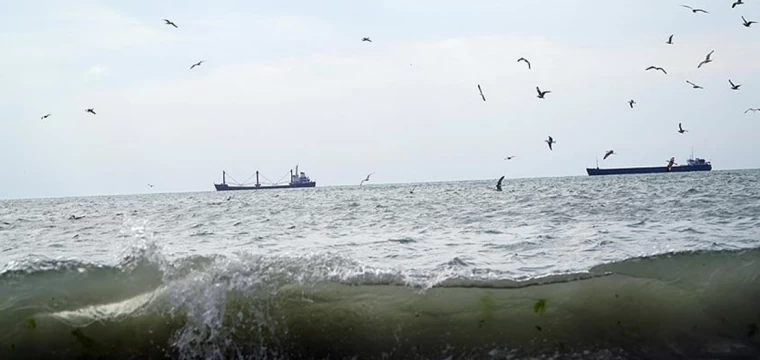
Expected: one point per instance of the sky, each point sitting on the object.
(286, 83)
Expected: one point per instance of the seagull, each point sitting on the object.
(150, 185)
(197, 64)
(738, 2)
(695, 10)
(671, 162)
(509, 157)
(550, 142)
(524, 60)
(608, 153)
(681, 129)
(498, 183)
(752, 109)
(169, 22)
(748, 23)
(541, 93)
(656, 68)
(481, 93)
(366, 179)
(366, 39)
(670, 40)
(631, 103)
(706, 60)
(734, 86)
(91, 111)
(45, 116)
(693, 85)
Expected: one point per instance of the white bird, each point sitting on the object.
(707, 59)
(525, 61)
(693, 85)
(695, 10)
(481, 93)
(365, 179)
(197, 64)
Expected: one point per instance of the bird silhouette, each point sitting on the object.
(367, 39)
(550, 141)
(751, 109)
(498, 183)
(681, 129)
(541, 94)
(509, 157)
(525, 61)
(631, 103)
(707, 59)
(169, 22)
(197, 64)
(365, 179)
(693, 85)
(748, 23)
(481, 93)
(656, 68)
(91, 111)
(45, 116)
(608, 153)
(738, 2)
(734, 86)
(695, 10)
(670, 40)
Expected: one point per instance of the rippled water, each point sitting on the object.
(548, 268)
(534, 227)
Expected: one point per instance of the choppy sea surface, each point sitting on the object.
(622, 267)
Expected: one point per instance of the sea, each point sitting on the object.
(660, 266)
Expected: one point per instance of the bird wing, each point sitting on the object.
(539, 90)
(690, 83)
(688, 7)
(748, 110)
(650, 68)
(731, 82)
(700, 10)
(709, 54)
(663, 70)
(670, 39)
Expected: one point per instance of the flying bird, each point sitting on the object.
(498, 183)
(695, 10)
(707, 59)
(671, 162)
(481, 93)
(734, 86)
(608, 153)
(748, 23)
(91, 111)
(525, 61)
(670, 40)
(197, 64)
(45, 116)
(150, 185)
(693, 85)
(413, 188)
(631, 103)
(681, 130)
(738, 2)
(550, 142)
(509, 157)
(365, 179)
(752, 109)
(366, 39)
(169, 22)
(541, 94)
(656, 68)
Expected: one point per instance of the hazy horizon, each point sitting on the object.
(287, 84)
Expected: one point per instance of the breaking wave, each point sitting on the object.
(683, 305)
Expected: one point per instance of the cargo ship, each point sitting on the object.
(693, 164)
(297, 180)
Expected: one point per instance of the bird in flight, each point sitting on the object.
(752, 109)
(365, 179)
(481, 93)
(550, 142)
(509, 157)
(367, 39)
(670, 40)
(608, 153)
(45, 116)
(681, 130)
(197, 64)
(671, 162)
(748, 23)
(541, 94)
(656, 68)
(738, 2)
(707, 59)
(498, 183)
(150, 185)
(91, 111)
(525, 61)
(169, 22)
(631, 103)
(413, 188)
(695, 10)
(734, 86)
(693, 85)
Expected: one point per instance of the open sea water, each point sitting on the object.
(662, 266)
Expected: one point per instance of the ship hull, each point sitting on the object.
(647, 170)
(225, 187)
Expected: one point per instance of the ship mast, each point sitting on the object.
(257, 179)
(224, 177)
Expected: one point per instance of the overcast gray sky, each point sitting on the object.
(291, 82)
